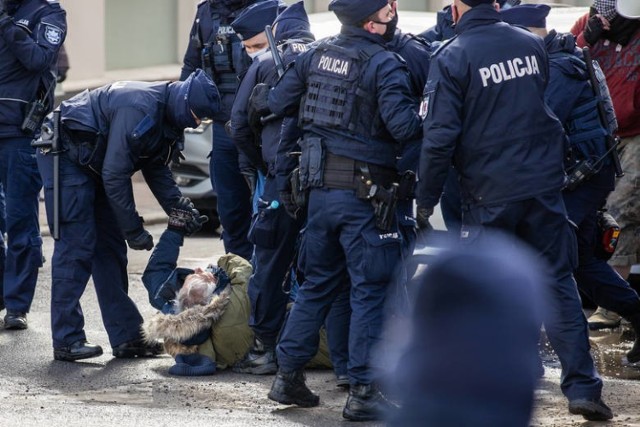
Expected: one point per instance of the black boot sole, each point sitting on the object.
(268, 369)
(590, 411)
(134, 352)
(288, 400)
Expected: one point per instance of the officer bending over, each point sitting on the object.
(106, 135)
(352, 95)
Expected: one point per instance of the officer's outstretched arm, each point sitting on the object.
(161, 183)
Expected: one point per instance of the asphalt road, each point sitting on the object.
(35, 390)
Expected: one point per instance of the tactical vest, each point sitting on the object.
(335, 98)
(224, 57)
(585, 130)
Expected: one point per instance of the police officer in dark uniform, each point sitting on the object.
(214, 47)
(106, 135)
(273, 231)
(354, 98)
(570, 96)
(31, 33)
(486, 111)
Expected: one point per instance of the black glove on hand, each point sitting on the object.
(140, 241)
(184, 218)
(258, 105)
(594, 30)
(422, 219)
(290, 205)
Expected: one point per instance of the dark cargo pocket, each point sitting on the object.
(381, 255)
(264, 228)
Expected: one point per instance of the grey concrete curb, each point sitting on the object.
(151, 219)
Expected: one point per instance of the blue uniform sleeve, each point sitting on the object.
(119, 166)
(398, 108)
(191, 59)
(284, 98)
(443, 101)
(161, 266)
(241, 133)
(158, 177)
(285, 163)
(37, 51)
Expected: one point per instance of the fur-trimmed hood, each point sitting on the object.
(176, 328)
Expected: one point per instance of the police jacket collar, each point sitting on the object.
(483, 14)
(351, 31)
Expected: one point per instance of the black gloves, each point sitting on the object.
(422, 219)
(141, 240)
(184, 218)
(290, 205)
(594, 30)
(258, 105)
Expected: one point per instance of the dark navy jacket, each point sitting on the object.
(138, 135)
(385, 78)
(30, 38)
(202, 32)
(262, 70)
(416, 52)
(486, 111)
(443, 30)
(568, 88)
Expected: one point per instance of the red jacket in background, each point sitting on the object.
(621, 66)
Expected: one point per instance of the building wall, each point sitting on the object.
(111, 40)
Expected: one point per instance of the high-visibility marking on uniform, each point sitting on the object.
(225, 29)
(510, 69)
(334, 65)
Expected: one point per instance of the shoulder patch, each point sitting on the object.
(53, 34)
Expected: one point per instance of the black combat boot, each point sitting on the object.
(260, 360)
(289, 388)
(633, 356)
(366, 403)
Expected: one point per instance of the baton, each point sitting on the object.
(55, 232)
(279, 66)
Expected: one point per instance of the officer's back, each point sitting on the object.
(503, 103)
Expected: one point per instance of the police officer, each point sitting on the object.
(31, 33)
(106, 135)
(486, 112)
(352, 95)
(569, 94)
(214, 47)
(273, 231)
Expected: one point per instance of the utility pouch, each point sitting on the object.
(311, 163)
(407, 185)
(36, 112)
(608, 232)
(300, 196)
(384, 202)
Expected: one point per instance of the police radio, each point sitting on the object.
(36, 112)
(587, 168)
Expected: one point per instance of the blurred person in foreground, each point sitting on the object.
(106, 135)
(484, 303)
(614, 40)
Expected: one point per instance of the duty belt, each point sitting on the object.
(349, 174)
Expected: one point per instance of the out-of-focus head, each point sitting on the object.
(356, 12)
(291, 22)
(527, 15)
(482, 303)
